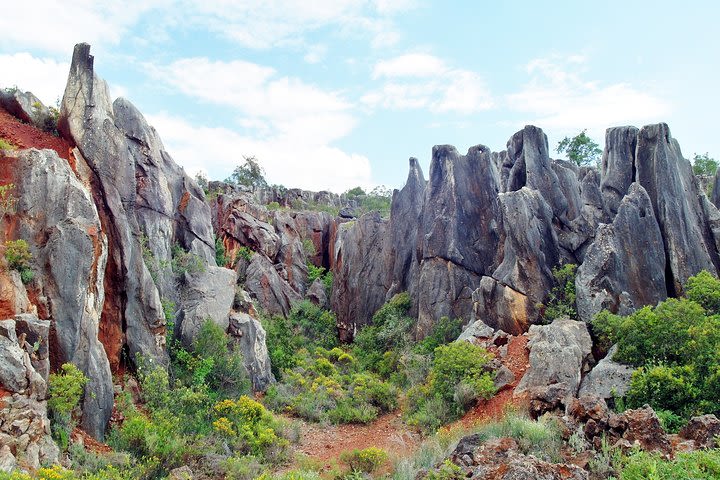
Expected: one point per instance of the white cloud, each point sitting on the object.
(315, 54)
(288, 161)
(55, 27)
(558, 97)
(421, 81)
(277, 105)
(42, 76)
(410, 65)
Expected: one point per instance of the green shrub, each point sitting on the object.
(561, 299)
(670, 422)
(461, 363)
(220, 257)
(701, 464)
(677, 346)
(245, 253)
(185, 262)
(446, 471)
(704, 289)
(6, 146)
(248, 425)
(444, 331)
(367, 460)
(314, 272)
(273, 206)
(65, 391)
(18, 256)
(309, 247)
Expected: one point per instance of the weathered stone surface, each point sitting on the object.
(476, 330)
(527, 151)
(317, 294)
(37, 338)
(315, 226)
(291, 252)
(461, 232)
(405, 219)
(360, 274)
(589, 407)
(268, 287)
(669, 181)
(181, 473)
(608, 379)
(7, 459)
(509, 299)
(250, 336)
(69, 256)
(205, 295)
(500, 458)
(703, 430)
(618, 165)
(559, 353)
(623, 268)
(87, 117)
(13, 297)
(12, 367)
(644, 429)
(27, 107)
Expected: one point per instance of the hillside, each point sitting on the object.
(217, 331)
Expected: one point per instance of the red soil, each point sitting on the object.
(24, 135)
(326, 443)
(517, 360)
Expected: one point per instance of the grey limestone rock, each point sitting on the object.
(624, 267)
(559, 353)
(618, 165)
(250, 335)
(608, 379)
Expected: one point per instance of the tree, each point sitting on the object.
(580, 149)
(704, 165)
(249, 174)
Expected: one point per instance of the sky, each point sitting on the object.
(332, 94)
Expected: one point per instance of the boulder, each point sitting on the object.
(12, 366)
(643, 429)
(207, 295)
(291, 252)
(317, 294)
(670, 183)
(476, 330)
(13, 296)
(37, 341)
(28, 108)
(703, 430)
(250, 335)
(268, 287)
(559, 353)
(608, 379)
(622, 270)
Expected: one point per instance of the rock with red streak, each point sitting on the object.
(703, 430)
(644, 429)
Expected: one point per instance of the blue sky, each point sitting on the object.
(330, 94)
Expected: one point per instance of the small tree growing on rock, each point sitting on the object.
(580, 149)
(250, 174)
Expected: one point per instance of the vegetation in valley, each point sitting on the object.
(676, 347)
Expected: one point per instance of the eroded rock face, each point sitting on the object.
(268, 287)
(608, 379)
(360, 280)
(669, 181)
(703, 430)
(559, 354)
(250, 335)
(24, 425)
(27, 107)
(618, 165)
(69, 253)
(624, 267)
(87, 117)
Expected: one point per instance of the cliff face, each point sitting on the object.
(120, 234)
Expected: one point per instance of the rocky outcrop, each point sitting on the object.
(501, 458)
(24, 426)
(559, 354)
(703, 430)
(268, 286)
(69, 256)
(360, 272)
(509, 299)
(608, 379)
(250, 336)
(618, 165)
(690, 243)
(27, 107)
(623, 270)
(206, 295)
(461, 233)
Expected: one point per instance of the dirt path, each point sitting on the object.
(326, 443)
